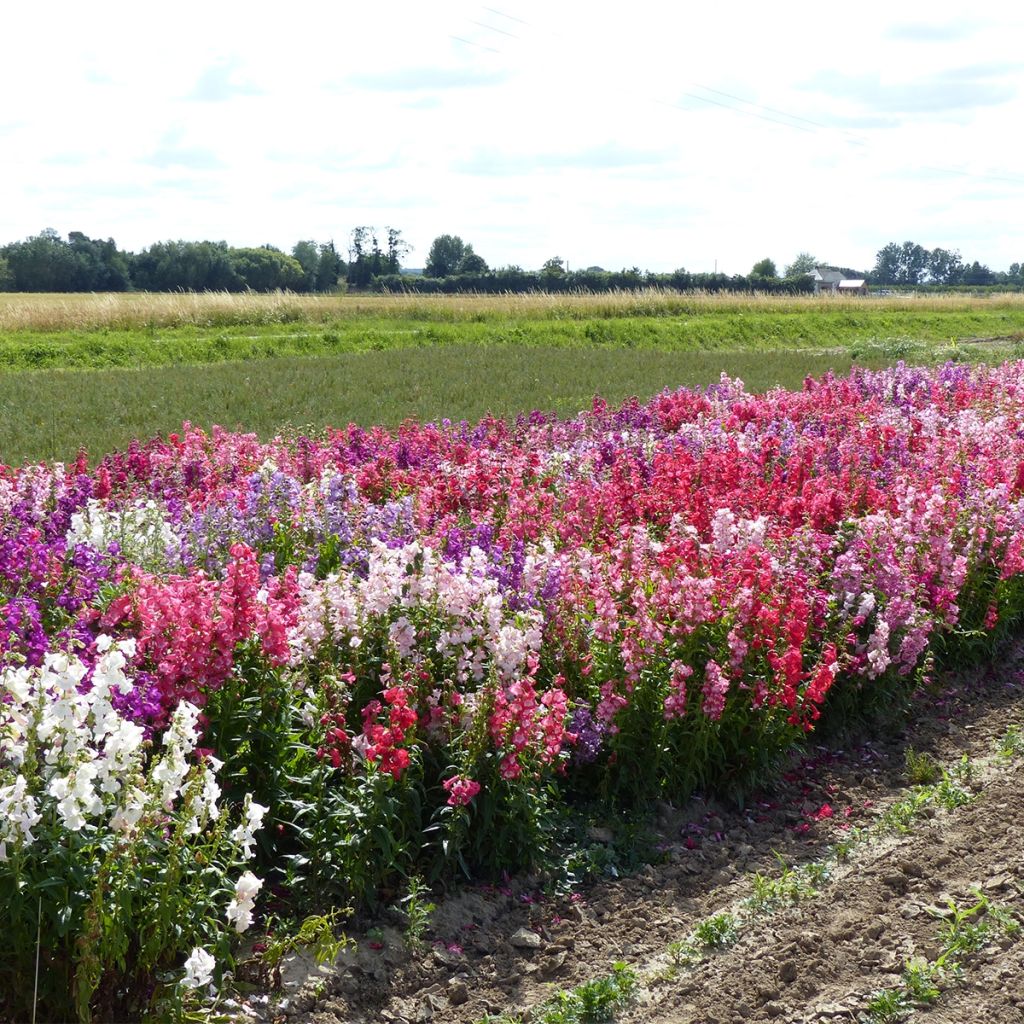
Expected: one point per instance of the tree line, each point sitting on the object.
(913, 264)
(48, 262)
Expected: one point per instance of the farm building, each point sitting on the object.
(853, 286)
(826, 280)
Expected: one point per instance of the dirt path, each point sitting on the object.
(491, 951)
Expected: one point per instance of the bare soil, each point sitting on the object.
(819, 960)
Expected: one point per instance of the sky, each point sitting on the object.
(655, 134)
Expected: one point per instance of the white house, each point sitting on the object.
(826, 280)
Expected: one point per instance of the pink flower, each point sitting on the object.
(460, 790)
(715, 689)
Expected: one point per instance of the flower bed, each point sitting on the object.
(413, 649)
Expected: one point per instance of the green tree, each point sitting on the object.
(99, 265)
(764, 268)
(977, 274)
(307, 255)
(554, 267)
(185, 266)
(444, 256)
(900, 264)
(913, 263)
(330, 268)
(6, 277)
(803, 263)
(887, 265)
(397, 248)
(266, 269)
(945, 267)
(362, 246)
(43, 263)
(472, 263)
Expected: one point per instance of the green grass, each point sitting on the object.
(49, 414)
(99, 370)
(859, 329)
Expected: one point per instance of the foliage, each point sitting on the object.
(266, 269)
(413, 650)
(764, 269)
(417, 911)
(922, 769)
(964, 932)
(446, 256)
(115, 858)
(46, 263)
(803, 263)
(593, 1002)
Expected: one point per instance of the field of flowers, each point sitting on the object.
(246, 682)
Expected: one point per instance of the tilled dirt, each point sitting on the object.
(506, 950)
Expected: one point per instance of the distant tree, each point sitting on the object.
(363, 252)
(900, 264)
(628, 278)
(397, 248)
(6, 277)
(330, 268)
(554, 267)
(100, 265)
(43, 263)
(471, 262)
(913, 263)
(266, 269)
(1015, 274)
(764, 268)
(444, 256)
(945, 267)
(977, 274)
(185, 266)
(803, 263)
(47, 263)
(307, 255)
(321, 266)
(887, 265)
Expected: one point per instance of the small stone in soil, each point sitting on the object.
(458, 993)
(524, 938)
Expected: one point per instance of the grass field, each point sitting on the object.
(98, 370)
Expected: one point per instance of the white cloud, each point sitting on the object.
(660, 135)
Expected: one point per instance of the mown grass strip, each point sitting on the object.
(918, 333)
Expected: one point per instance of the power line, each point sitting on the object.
(796, 122)
(491, 28)
(735, 110)
(470, 42)
(502, 14)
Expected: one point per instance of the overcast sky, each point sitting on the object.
(661, 134)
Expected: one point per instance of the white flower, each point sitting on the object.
(244, 833)
(240, 909)
(198, 969)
